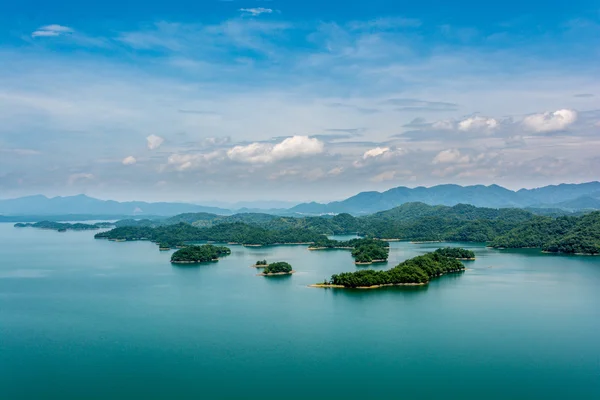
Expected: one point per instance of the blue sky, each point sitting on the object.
(245, 100)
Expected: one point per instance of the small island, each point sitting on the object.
(277, 268)
(365, 251)
(457, 253)
(260, 264)
(413, 272)
(199, 254)
(64, 226)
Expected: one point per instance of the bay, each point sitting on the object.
(84, 318)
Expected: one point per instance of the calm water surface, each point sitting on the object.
(90, 319)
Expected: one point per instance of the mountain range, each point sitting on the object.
(570, 197)
(563, 196)
(82, 204)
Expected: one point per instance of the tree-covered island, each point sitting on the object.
(233, 233)
(261, 264)
(365, 251)
(457, 253)
(277, 268)
(199, 254)
(415, 271)
(65, 226)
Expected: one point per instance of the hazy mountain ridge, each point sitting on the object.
(571, 197)
(82, 204)
(449, 195)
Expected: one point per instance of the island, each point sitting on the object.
(457, 253)
(64, 226)
(260, 264)
(233, 233)
(415, 271)
(364, 250)
(277, 268)
(199, 254)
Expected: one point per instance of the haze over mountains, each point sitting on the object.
(563, 196)
(567, 196)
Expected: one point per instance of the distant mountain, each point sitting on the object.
(82, 204)
(569, 197)
(580, 203)
(450, 195)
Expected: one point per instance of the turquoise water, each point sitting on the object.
(89, 319)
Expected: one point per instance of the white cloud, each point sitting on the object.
(216, 141)
(384, 176)
(335, 171)
(74, 178)
(52, 30)
(292, 147)
(478, 123)
(376, 152)
(446, 125)
(256, 11)
(129, 160)
(183, 162)
(450, 156)
(550, 121)
(154, 142)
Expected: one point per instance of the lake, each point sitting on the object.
(91, 319)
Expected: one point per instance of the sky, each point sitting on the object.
(295, 100)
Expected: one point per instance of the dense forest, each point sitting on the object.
(364, 250)
(238, 232)
(417, 270)
(411, 221)
(456, 252)
(501, 228)
(198, 254)
(570, 235)
(368, 251)
(280, 267)
(63, 226)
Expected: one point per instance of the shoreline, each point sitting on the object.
(562, 253)
(278, 273)
(194, 262)
(331, 248)
(370, 262)
(558, 253)
(259, 266)
(330, 286)
(277, 244)
(320, 285)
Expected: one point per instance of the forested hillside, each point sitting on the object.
(571, 235)
(502, 228)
